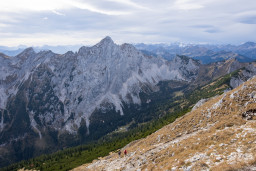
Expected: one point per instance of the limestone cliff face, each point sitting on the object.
(69, 88)
(50, 98)
(218, 135)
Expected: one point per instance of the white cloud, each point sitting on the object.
(187, 5)
(87, 6)
(40, 39)
(8, 18)
(58, 13)
(3, 27)
(33, 5)
(129, 3)
(87, 21)
(55, 5)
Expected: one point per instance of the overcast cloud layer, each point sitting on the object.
(69, 22)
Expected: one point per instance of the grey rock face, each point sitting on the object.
(248, 72)
(199, 103)
(62, 90)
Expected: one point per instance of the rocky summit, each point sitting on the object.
(47, 100)
(73, 85)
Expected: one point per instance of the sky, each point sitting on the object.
(85, 22)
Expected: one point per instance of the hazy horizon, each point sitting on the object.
(22, 46)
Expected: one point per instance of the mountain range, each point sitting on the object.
(52, 101)
(13, 51)
(204, 52)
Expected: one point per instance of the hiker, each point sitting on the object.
(119, 153)
(125, 152)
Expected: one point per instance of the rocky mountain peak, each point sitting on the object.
(182, 57)
(43, 52)
(107, 72)
(69, 53)
(249, 45)
(82, 50)
(107, 41)
(29, 52)
(128, 47)
(184, 60)
(104, 49)
(3, 56)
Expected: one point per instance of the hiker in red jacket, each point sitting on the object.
(125, 152)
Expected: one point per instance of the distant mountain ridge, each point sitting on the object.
(205, 53)
(167, 51)
(13, 51)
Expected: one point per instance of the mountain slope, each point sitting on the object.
(104, 73)
(220, 134)
(173, 99)
(221, 56)
(55, 101)
(49, 101)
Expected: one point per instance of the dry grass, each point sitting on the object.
(214, 137)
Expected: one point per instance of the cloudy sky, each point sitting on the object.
(72, 22)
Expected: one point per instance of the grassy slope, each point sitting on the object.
(215, 136)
